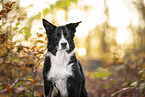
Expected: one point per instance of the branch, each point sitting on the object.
(13, 84)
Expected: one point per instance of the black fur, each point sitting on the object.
(75, 83)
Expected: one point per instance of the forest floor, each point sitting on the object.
(117, 84)
(118, 78)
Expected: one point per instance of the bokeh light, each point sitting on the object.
(81, 51)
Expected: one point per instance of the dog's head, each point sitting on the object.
(61, 37)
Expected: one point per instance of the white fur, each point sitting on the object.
(62, 40)
(60, 70)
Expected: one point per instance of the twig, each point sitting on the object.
(122, 90)
(13, 84)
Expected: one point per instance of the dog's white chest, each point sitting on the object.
(60, 70)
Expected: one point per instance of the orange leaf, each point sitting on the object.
(26, 47)
(33, 47)
(7, 87)
(13, 3)
(1, 40)
(143, 65)
(40, 35)
(25, 51)
(45, 38)
(40, 41)
(2, 11)
(27, 62)
(20, 18)
(41, 52)
(8, 5)
(32, 82)
(40, 47)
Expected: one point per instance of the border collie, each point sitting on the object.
(61, 68)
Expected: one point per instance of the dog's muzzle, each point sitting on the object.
(63, 45)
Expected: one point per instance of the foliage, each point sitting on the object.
(124, 77)
(63, 4)
(7, 8)
(18, 64)
(137, 87)
(99, 73)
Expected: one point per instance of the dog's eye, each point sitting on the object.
(67, 35)
(55, 36)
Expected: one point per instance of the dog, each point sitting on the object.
(61, 68)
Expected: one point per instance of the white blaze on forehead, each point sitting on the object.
(62, 40)
(62, 36)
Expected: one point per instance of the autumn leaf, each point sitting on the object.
(41, 52)
(2, 13)
(33, 47)
(27, 62)
(13, 3)
(8, 6)
(45, 38)
(40, 47)
(29, 79)
(40, 41)
(7, 87)
(32, 82)
(25, 51)
(26, 47)
(39, 35)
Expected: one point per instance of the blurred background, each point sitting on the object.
(110, 43)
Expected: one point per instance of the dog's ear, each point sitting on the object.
(72, 26)
(48, 26)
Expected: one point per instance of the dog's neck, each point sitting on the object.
(55, 51)
(61, 56)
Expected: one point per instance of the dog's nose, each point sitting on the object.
(63, 45)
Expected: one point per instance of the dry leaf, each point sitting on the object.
(7, 87)
(32, 82)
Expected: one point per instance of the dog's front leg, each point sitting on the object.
(73, 88)
(74, 91)
(48, 88)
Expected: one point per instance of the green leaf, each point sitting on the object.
(102, 73)
(20, 32)
(45, 12)
(15, 60)
(3, 23)
(104, 85)
(15, 28)
(27, 33)
(18, 84)
(25, 28)
(17, 24)
(68, 3)
(52, 7)
(1, 87)
(4, 49)
(38, 16)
